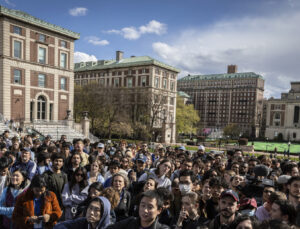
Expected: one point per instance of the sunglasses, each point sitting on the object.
(79, 174)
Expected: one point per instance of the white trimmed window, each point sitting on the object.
(17, 49)
(116, 82)
(63, 60)
(156, 82)
(63, 83)
(172, 86)
(42, 55)
(129, 82)
(17, 30)
(42, 38)
(101, 82)
(42, 80)
(144, 81)
(63, 44)
(165, 83)
(17, 76)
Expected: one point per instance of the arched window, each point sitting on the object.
(41, 107)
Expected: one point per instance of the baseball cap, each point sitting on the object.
(230, 193)
(283, 179)
(26, 149)
(181, 148)
(141, 157)
(248, 202)
(100, 145)
(267, 182)
(201, 147)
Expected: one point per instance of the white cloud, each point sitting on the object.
(265, 45)
(83, 57)
(153, 27)
(133, 33)
(130, 33)
(96, 41)
(9, 3)
(79, 11)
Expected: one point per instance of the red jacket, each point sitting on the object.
(24, 209)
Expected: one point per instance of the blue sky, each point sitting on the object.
(196, 36)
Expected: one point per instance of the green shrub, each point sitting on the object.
(243, 141)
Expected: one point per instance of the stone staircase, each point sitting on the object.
(56, 129)
(4, 127)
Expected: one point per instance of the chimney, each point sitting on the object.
(232, 69)
(119, 56)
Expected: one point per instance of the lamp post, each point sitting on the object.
(267, 144)
(289, 145)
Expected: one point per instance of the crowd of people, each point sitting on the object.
(116, 185)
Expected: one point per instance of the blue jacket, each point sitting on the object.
(82, 223)
(29, 167)
(7, 211)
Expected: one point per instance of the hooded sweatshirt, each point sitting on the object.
(82, 223)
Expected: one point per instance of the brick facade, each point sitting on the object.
(17, 98)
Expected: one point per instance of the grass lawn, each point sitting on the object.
(270, 146)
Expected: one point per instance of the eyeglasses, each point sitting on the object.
(79, 174)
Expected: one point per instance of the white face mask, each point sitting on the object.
(184, 188)
(248, 212)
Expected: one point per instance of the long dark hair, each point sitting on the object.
(83, 183)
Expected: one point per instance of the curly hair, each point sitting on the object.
(112, 195)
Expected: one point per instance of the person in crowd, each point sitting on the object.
(160, 174)
(284, 211)
(94, 190)
(43, 163)
(94, 175)
(79, 148)
(114, 198)
(245, 222)
(97, 216)
(293, 186)
(228, 205)
(56, 178)
(187, 164)
(65, 150)
(149, 184)
(274, 224)
(228, 174)
(217, 187)
(114, 167)
(4, 172)
(24, 163)
(149, 209)
(188, 216)
(248, 206)
(267, 191)
(166, 216)
(73, 163)
(18, 183)
(37, 207)
(120, 184)
(72, 194)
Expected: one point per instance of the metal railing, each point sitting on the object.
(47, 122)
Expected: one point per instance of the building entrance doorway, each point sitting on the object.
(41, 108)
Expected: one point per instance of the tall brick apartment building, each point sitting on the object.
(36, 68)
(136, 76)
(283, 115)
(222, 99)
